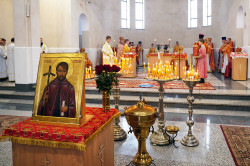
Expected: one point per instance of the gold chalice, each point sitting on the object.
(141, 117)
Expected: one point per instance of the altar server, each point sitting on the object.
(127, 49)
(11, 60)
(226, 54)
(202, 61)
(107, 51)
(221, 53)
(3, 57)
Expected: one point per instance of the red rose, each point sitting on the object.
(107, 68)
(115, 68)
(99, 69)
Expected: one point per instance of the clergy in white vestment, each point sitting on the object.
(44, 48)
(3, 57)
(11, 60)
(107, 51)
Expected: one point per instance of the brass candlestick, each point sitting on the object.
(141, 117)
(119, 133)
(189, 139)
(160, 137)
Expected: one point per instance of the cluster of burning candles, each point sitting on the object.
(161, 71)
(125, 65)
(166, 71)
(89, 73)
(190, 75)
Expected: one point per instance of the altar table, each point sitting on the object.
(239, 66)
(182, 61)
(92, 144)
(153, 58)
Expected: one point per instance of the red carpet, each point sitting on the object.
(238, 141)
(167, 85)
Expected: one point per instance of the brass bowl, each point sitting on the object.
(172, 129)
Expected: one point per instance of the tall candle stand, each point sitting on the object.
(160, 137)
(119, 133)
(189, 139)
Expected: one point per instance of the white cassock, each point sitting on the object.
(208, 66)
(223, 70)
(44, 48)
(107, 53)
(11, 62)
(3, 67)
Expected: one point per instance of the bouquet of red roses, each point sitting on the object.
(106, 77)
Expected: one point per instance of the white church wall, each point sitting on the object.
(55, 18)
(6, 19)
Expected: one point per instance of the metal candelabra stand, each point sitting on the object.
(189, 139)
(160, 137)
(119, 133)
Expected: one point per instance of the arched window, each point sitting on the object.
(125, 13)
(192, 13)
(207, 12)
(139, 14)
(240, 18)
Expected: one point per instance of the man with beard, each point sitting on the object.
(59, 96)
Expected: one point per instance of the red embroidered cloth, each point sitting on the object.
(129, 55)
(156, 54)
(182, 56)
(30, 133)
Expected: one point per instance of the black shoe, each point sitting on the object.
(202, 81)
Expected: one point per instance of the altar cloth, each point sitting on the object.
(57, 136)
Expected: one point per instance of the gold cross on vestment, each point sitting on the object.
(45, 162)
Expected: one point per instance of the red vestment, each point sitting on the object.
(202, 62)
(210, 52)
(54, 100)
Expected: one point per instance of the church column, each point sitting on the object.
(27, 41)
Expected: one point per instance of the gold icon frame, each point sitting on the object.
(76, 76)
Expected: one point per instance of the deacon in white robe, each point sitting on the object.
(11, 60)
(3, 57)
(107, 51)
(44, 48)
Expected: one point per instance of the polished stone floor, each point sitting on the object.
(212, 148)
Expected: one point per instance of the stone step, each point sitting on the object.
(11, 94)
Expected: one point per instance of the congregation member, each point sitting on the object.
(120, 48)
(210, 53)
(44, 48)
(152, 49)
(127, 49)
(3, 57)
(107, 51)
(221, 53)
(202, 61)
(139, 51)
(11, 60)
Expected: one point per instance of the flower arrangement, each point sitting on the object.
(106, 77)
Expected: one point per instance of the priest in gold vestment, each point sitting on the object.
(152, 49)
(107, 51)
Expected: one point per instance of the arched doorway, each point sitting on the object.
(240, 18)
(83, 31)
